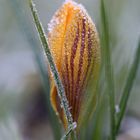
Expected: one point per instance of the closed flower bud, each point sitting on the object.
(74, 44)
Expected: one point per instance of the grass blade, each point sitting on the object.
(59, 85)
(108, 68)
(127, 88)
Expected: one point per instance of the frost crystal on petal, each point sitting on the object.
(74, 44)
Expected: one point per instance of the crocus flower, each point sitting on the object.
(74, 45)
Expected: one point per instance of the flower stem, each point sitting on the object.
(59, 85)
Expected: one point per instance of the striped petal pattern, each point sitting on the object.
(74, 44)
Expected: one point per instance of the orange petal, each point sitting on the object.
(74, 44)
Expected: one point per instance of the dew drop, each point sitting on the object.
(117, 108)
(74, 125)
(61, 105)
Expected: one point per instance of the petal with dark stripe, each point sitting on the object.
(74, 44)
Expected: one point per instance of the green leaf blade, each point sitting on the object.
(108, 67)
(128, 87)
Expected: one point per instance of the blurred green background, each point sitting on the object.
(24, 113)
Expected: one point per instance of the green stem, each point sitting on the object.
(127, 88)
(59, 85)
(71, 127)
(108, 69)
(73, 135)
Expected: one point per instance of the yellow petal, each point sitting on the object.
(74, 44)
